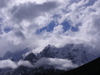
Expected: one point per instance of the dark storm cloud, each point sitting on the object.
(3, 3)
(91, 2)
(28, 11)
(19, 34)
(96, 22)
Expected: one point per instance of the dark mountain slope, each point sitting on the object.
(91, 68)
(36, 71)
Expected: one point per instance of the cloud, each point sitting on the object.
(11, 64)
(19, 33)
(63, 64)
(3, 3)
(26, 17)
(25, 63)
(7, 64)
(57, 63)
(29, 11)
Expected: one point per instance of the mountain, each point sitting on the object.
(44, 64)
(91, 68)
(31, 58)
(37, 71)
(15, 56)
(78, 54)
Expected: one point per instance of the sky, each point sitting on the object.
(37, 23)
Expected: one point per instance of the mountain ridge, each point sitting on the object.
(70, 53)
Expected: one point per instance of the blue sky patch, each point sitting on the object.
(75, 28)
(91, 2)
(52, 24)
(47, 28)
(7, 29)
(66, 26)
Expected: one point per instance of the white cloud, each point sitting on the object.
(63, 64)
(11, 64)
(25, 63)
(7, 64)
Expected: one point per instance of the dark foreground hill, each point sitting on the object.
(91, 68)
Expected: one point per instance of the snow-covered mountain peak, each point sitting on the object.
(50, 59)
(78, 53)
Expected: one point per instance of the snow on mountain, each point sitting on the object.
(77, 53)
(65, 56)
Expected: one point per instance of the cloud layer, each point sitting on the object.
(21, 20)
(62, 64)
(11, 64)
